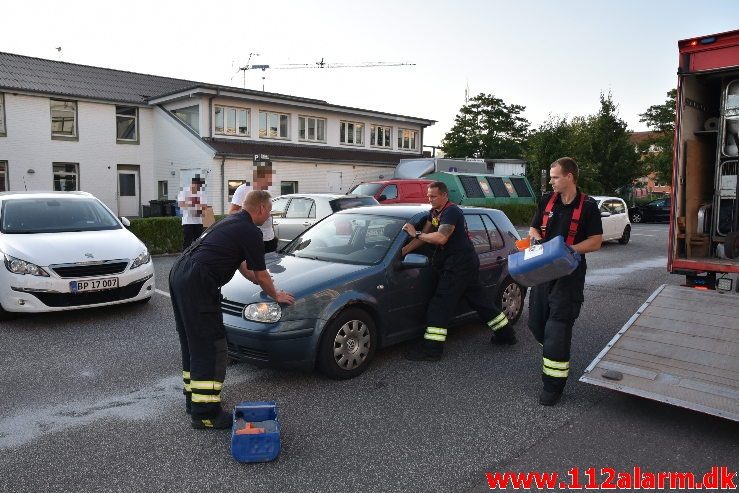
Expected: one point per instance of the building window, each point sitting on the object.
(312, 129)
(351, 133)
(4, 185)
(66, 177)
(189, 115)
(274, 125)
(63, 119)
(163, 190)
(407, 139)
(288, 187)
(2, 115)
(380, 136)
(126, 123)
(232, 121)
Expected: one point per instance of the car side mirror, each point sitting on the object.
(414, 261)
(381, 198)
(605, 214)
(125, 222)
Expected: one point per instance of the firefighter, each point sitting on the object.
(457, 266)
(555, 305)
(234, 243)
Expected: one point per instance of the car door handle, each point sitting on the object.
(275, 223)
(306, 224)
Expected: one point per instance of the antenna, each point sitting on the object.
(59, 51)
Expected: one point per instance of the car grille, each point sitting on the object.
(240, 352)
(86, 269)
(232, 307)
(92, 297)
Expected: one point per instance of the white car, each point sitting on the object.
(67, 250)
(615, 218)
(294, 213)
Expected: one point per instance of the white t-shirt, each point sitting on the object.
(190, 214)
(268, 230)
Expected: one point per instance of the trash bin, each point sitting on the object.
(169, 207)
(156, 208)
(145, 210)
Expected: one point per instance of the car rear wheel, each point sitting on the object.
(626, 236)
(347, 345)
(636, 217)
(510, 299)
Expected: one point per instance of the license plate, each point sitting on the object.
(93, 285)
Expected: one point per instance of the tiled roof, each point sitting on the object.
(278, 150)
(37, 75)
(637, 137)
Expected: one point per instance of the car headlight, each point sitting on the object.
(18, 266)
(142, 259)
(266, 312)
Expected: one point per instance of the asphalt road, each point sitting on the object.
(91, 402)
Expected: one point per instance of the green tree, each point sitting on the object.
(609, 160)
(552, 140)
(656, 152)
(487, 127)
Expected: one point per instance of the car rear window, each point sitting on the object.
(366, 189)
(34, 215)
(351, 202)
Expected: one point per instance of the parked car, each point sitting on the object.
(294, 213)
(615, 218)
(411, 191)
(654, 211)
(67, 250)
(353, 291)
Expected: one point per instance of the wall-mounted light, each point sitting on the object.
(31, 171)
(172, 173)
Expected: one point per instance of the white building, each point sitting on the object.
(127, 137)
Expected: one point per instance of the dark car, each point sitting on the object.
(654, 211)
(354, 292)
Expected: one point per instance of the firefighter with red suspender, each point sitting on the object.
(555, 305)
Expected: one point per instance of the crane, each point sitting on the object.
(321, 64)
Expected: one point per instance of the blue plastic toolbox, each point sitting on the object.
(542, 263)
(255, 447)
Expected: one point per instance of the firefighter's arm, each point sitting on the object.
(591, 244)
(535, 233)
(265, 282)
(248, 274)
(415, 242)
(438, 237)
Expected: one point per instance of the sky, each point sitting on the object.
(553, 57)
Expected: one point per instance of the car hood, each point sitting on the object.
(45, 249)
(299, 276)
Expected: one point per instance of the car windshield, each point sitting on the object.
(366, 189)
(55, 215)
(361, 239)
(351, 202)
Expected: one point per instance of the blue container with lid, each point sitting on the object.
(255, 447)
(543, 263)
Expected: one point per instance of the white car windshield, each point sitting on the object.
(54, 215)
(360, 239)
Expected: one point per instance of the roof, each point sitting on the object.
(234, 148)
(63, 79)
(637, 137)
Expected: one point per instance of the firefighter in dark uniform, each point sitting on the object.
(555, 305)
(458, 268)
(234, 243)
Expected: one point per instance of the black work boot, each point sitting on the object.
(504, 336)
(426, 351)
(549, 397)
(221, 421)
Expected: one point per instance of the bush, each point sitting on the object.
(159, 234)
(519, 214)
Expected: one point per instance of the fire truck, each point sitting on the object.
(682, 345)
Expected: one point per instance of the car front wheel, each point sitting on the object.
(510, 299)
(347, 345)
(625, 236)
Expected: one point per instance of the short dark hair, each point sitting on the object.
(441, 186)
(568, 165)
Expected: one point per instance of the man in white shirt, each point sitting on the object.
(191, 203)
(262, 180)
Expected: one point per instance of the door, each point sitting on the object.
(333, 179)
(129, 199)
(299, 216)
(389, 194)
(609, 227)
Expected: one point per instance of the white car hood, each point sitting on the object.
(45, 249)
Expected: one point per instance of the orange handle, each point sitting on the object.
(524, 243)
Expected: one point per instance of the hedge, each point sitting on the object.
(164, 234)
